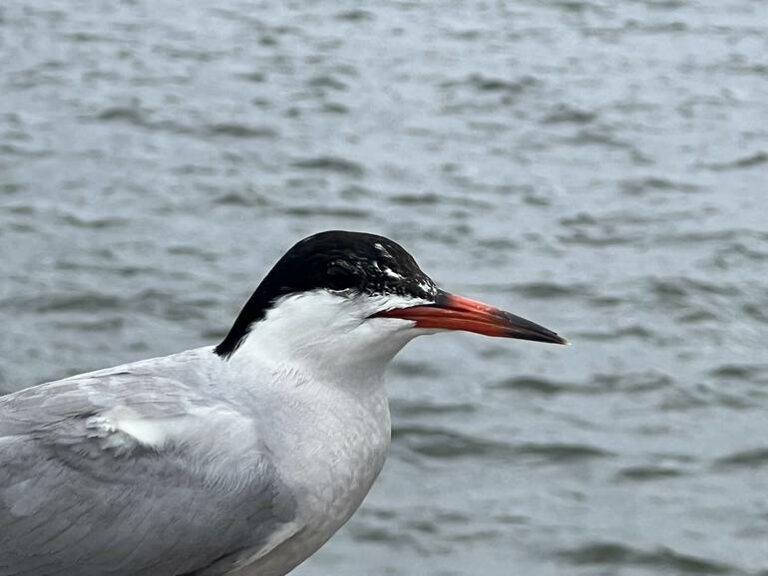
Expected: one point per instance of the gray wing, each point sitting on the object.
(80, 497)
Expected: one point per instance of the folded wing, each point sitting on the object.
(127, 474)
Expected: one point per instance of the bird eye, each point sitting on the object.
(340, 276)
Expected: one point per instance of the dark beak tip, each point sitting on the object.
(548, 339)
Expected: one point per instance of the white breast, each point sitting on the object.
(339, 447)
(334, 451)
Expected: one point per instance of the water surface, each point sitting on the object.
(597, 166)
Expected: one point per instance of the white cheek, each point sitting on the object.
(390, 324)
(320, 332)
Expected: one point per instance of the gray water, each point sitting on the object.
(597, 166)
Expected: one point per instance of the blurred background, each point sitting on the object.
(598, 166)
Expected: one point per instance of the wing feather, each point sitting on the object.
(80, 496)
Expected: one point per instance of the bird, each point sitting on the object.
(242, 458)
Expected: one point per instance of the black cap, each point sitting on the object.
(337, 261)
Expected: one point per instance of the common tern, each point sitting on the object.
(241, 458)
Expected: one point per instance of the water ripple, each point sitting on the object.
(331, 164)
(751, 459)
(620, 555)
(756, 159)
(649, 473)
(240, 130)
(449, 444)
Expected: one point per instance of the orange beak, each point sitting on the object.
(452, 312)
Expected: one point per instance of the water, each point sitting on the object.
(597, 166)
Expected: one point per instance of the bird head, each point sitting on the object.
(342, 298)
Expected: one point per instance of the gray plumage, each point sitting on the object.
(80, 497)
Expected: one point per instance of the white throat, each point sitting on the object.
(329, 337)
